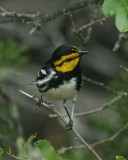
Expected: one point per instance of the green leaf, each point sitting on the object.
(1, 152)
(124, 68)
(120, 158)
(119, 9)
(47, 150)
(31, 138)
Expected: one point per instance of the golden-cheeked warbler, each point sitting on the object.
(61, 78)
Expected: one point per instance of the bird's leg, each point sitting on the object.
(73, 106)
(40, 101)
(70, 123)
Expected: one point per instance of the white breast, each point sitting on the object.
(65, 91)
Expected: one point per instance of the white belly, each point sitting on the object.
(65, 91)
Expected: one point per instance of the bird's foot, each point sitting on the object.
(69, 125)
(40, 101)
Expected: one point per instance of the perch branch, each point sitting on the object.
(76, 134)
(120, 94)
(99, 109)
(45, 104)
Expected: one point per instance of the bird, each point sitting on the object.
(60, 78)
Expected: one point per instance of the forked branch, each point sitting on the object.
(76, 134)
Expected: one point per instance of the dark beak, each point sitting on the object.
(82, 53)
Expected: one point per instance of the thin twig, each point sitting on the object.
(71, 19)
(62, 150)
(36, 19)
(76, 134)
(45, 104)
(88, 27)
(73, 28)
(92, 23)
(112, 137)
(119, 94)
(85, 144)
(105, 86)
(103, 107)
(97, 110)
(124, 68)
(121, 38)
(25, 17)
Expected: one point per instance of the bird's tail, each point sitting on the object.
(33, 83)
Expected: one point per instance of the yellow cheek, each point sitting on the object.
(63, 58)
(68, 66)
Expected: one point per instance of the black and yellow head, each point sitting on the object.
(66, 58)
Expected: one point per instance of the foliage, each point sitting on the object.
(111, 120)
(42, 150)
(119, 9)
(120, 158)
(1, 152)
(12, 54)
(47, 150)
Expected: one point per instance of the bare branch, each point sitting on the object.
(25, 18)
(45, 104)
(93, 22)
(71, 19)
(76, 134)
(105, 86)
(36, 19)
(124, 68)
(88, 27)
(114, 136)
(103, 107)
(121, 38)
(120, 94)
(86, 145)
(62, 150)
(2, 9)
